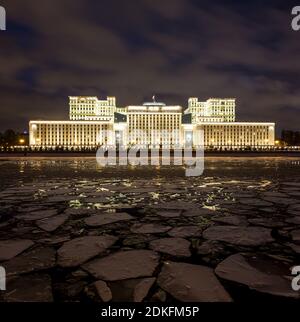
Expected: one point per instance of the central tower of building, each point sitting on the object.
(154, 124)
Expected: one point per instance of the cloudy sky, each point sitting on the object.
(133, 49)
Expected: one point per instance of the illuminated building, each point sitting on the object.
(96, 122)
(85, 108)
(213, 110)
(154, 124)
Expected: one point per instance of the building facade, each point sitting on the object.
(154, 124)
(238, 134)
(84, 108)
(96, 123)
(70, 133)
(213, 110)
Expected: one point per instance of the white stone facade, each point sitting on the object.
(101, 123)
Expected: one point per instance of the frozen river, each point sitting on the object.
(66, 223)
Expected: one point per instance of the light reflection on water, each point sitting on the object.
(225, 170)
(81, 183)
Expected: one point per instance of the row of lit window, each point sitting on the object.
(76, 127)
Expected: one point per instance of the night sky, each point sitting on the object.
(133, 49)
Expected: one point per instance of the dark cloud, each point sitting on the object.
(132, 49)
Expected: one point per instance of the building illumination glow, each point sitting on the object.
(95, 122)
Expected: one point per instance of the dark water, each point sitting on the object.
(14, 171)
(29, 181)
